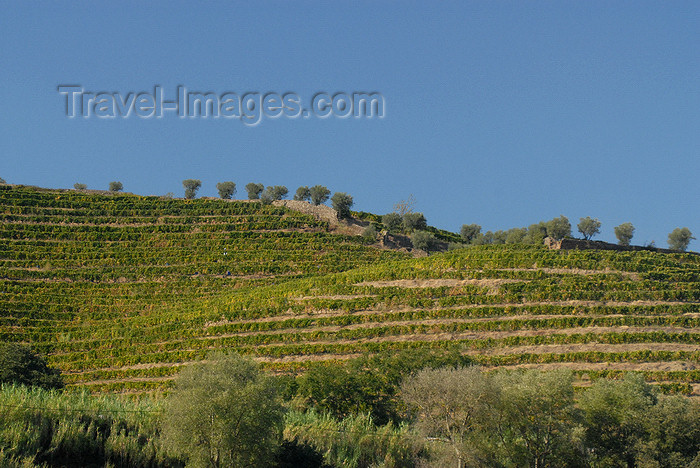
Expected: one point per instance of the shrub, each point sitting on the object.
(624, 233)
(370, 233)
(226, 189)
(559, 228)
(341, 203)
(422, 240)
(303, 193)
(319, 194)
(392, 222)
(588, 227)
(116, 186)
(414, 222)
(254, 190)
(19, 365)
(679, 239)
(191, 187)
(469, 232)
(79, 186)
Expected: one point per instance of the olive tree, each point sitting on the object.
(79, 186)
(342, 202)
(319, 194)
(20, 365)
(414, 222)
(226, 189)
(624, 233)
(422, 240)
(303, 193)
(536, 233)
(116, 186)
(392, 222)
(679, 239)
(537, 421)
(559, 228)
(588, 227)
(222, 413)
(191, 187)
(451, 407)
(254, 190)
(469, 232)
(516, 235)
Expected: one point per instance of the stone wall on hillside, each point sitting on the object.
(320, 212)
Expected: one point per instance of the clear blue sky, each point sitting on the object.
(497, 113)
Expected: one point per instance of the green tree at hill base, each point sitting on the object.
(19, 365)
(224, 413)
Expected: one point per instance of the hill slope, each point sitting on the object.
(122, 291)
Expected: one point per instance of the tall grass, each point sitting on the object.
(49, 428)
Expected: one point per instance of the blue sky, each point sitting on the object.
(497, 113)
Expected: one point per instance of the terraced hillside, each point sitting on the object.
(77, 267)
(120, 305)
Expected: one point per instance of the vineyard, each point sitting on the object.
(121, 291)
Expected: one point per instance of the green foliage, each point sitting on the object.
(319, 194)
(369, 384)
(191, 186)
(275, 192)
(79, 186)
(116, 186)
(2, 181)
(342, 202)
(226, 189)
(47, 428)
(303, 193)
(224, 413)
(516, 236)
(588, 227)
(624, 233)
(19, 365)
(679, 239)
(414, 222)
(469, 232)
(507, 419)
(254, 190)
(370, 233)
(354, 442)
(422, 240)
(451, 405)
(538, 419)
(536, 233)
(613, 413)
(559, 228)
(392, 222)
